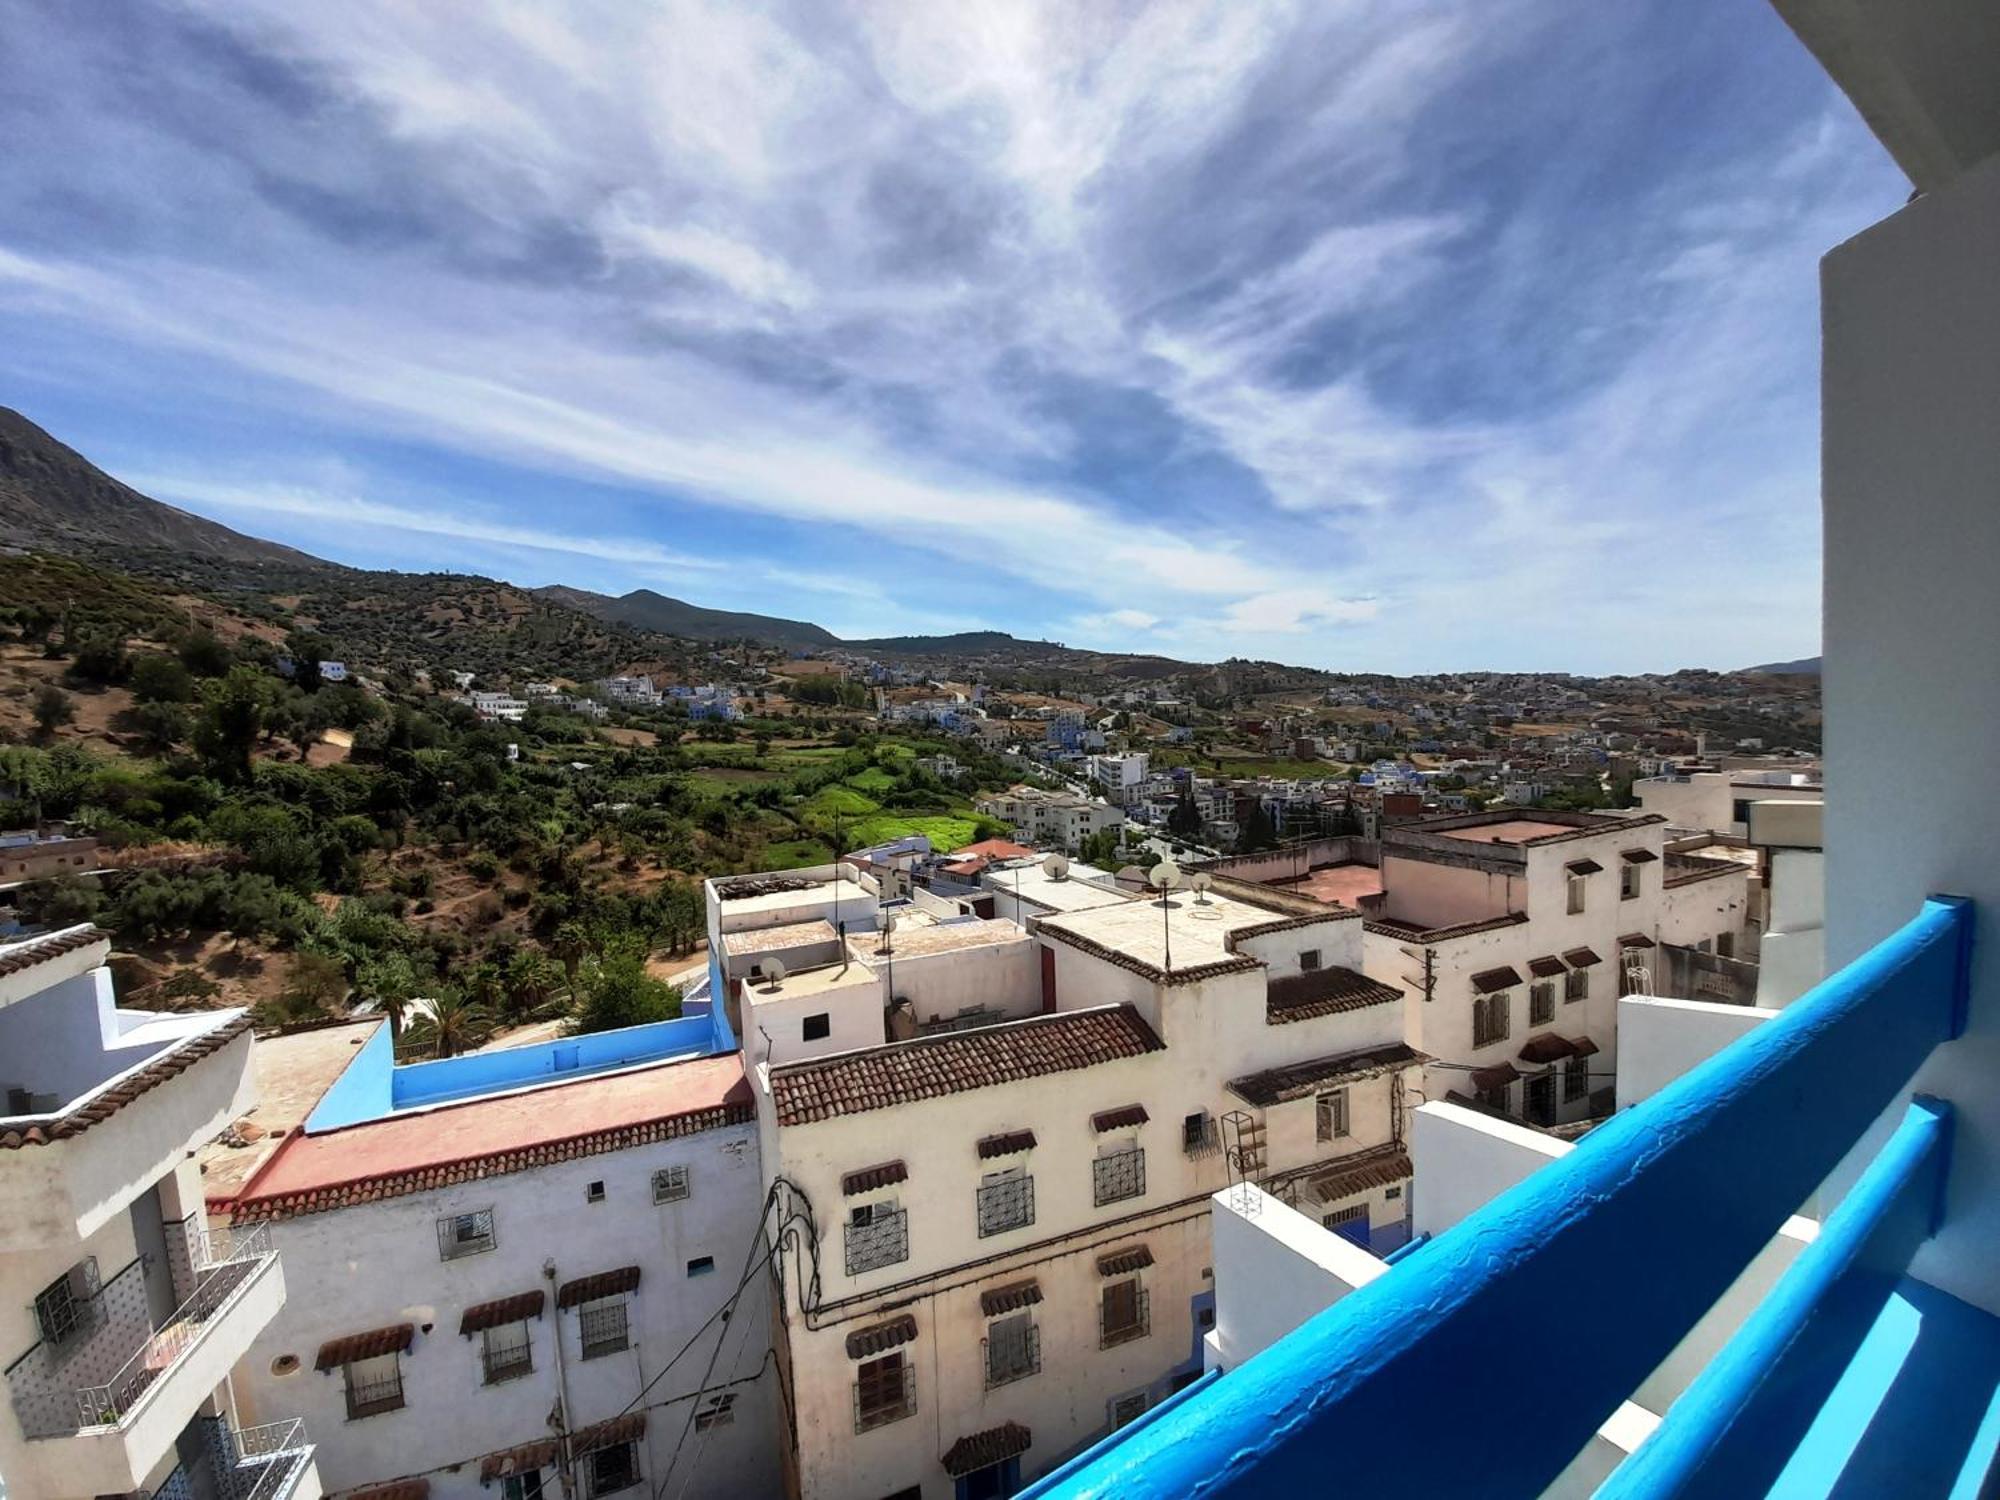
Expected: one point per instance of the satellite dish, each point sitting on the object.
(1131, 875)
(889, 921)
(1200, 881)
(1057, 866)
(1165, 876)
(774, 972)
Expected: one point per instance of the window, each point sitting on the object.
(373, 1385)
(1576, 1079)
(1121, 1313)
(1013, 1349)
(817, 1028)
(67, 1306)
(1198, 1133)
(1628, 881)
(505, 1352)
(1495, 1098)
(1739, 810)
(594, 1193)
(1006, 1200)
(1126, 1409)
(612, 1469)
(1541, 1002)
(1540, 1098)
(719, 1412)
(878, 1235)
(701, 1265)
(1331, 1113)
(465, 1234)
(670, 1185)
(526, 1486)
(601, 1326)
(1308, 960)
(1725, 944)
(1576, 985)
(1119, 1174)
(882, 1392)
(1391, 1194)
(1492, 1019)
(1354, 1213)
(1576, 894)
(1702, 946)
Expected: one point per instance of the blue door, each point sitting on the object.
(994, 1482)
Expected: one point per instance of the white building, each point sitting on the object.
(524, 1268)
(1121, 776)
(1720, 800)
(1061, 819)
(502, 706)
(1000, 1147)
(124, 1311)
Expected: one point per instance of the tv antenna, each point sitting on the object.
(1165, 877)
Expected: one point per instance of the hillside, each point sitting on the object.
(1805, 666)
(645, 610)
(51, 496)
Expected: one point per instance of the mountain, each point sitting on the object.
(645, 610)
(1805, 666)
(53, 497)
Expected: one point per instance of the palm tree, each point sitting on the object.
(530, 979)
(451, 1023)
(569, 946)
(485, 986)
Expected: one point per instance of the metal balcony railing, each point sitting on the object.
(266, 1464)
(370, 1398)
(1118, 1176)
(1006, 1205)
(1648, 1221)
(882, 1241)
(223, 1262)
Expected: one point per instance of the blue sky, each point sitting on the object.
(1379, 337)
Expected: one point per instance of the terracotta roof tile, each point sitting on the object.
(521, 1459)
(1581, 958)
(1545, 1047)
(1297, 1080)
(15, 958)
(370, 1345)
(1583, 867)
(175, 1061)
(1634, 940)
(1190, 974)
(516, 1309)
(1638, 856)
(1124, 1262)
(1323, 992)
(1487, 981)
(1118, 1119)
(984, 1449)
(1378, 1166)
(601, 1284)
(1384, 927)
(1497, 1076)
(866, 1343)
(957, 1062)
(626, 1429)
(1545, 968)
(869, 1179)
(399, 1489)
(1007, 1143)
(1010, 1298)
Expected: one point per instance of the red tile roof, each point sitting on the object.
(626, 1429)
(1008, 1143)
(993, 849)
(175, 1061)
(1116, 1119)
(984, 1449)
(482, 1138)
(518, 1460)
(1582, 958)
(1487, 981)
(1545, 968)
(1378, 1166)
(1323, 992)
(516, 1309)
(1297, 1080)
(1124, 1262)
(865, 1343)
(16, 958)
(1010, 1298)
(371, 1345)
(868, 1179)
(602, 1284)
(936, 1067)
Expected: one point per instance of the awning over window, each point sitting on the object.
(1116, 1119)
(1010, 1298)
(869, 1179)
(1583, 867)
(1488, 981)
(1545, 968)
(1545, 1048)
(1634, 940)
(371, 1345)
(516, 1309)
(866, 1343)
(1638, 856)
(1497, 1076)
(1583, 1046)
(626, 1429)
(982, 1450)
(603, 1284)
(1008, 1143)
(524, 1459)
(1582, 958)
(1124, 1262)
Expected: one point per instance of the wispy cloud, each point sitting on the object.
(1397, 336)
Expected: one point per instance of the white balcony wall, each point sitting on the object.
(1662, 1039)
(1274, 1268)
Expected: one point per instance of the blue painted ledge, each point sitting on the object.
(1645, 1223)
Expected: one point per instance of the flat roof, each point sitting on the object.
(917, 941)
(1073, 892)
(1336, 885)
(1196, 932)
(292, 1072)
(776, 939)
(489, 1137)
(1510, 831)
(823, 979)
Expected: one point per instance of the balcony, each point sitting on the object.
(1118, 1175)
(273, 1462)
(1848, 1376)
(883, 1240)
(1004, 1205)
(107, 1404)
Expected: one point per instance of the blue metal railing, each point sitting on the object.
(1642, 1226)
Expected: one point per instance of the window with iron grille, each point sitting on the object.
(1541, 1002)
(1330, 1112)
(1495, 1098)
(1576, 985)
(1198, 1135)
(1308, 960)
(1539, 1095)
(670, 1185)
(1122, 1313)
(719, 1412)
(609, 1470)
(374, 1385)
(1006, 1200)
(883, 1392)
(1353, 1213)
(1492, 1019)
(878, 1234)
(1013, 1349)
(1126, 1409)
(602, 1327)
(1118, 1175)
(1576, 1078)
(526, 1486)
(66, 1308)
(465, 1234)
(505, 1352)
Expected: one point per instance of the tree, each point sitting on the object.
(161, 725)
(570, 944)
(1185, 819)
(618, 992)
(53, 708)
(531, 979)
(232, 722)
(315, 985)
(100, 657)
(450, 1024)
(161, 679)
(391, 982)
(202, 653)
(1257, 831)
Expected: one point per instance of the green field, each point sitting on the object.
(793, 853)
